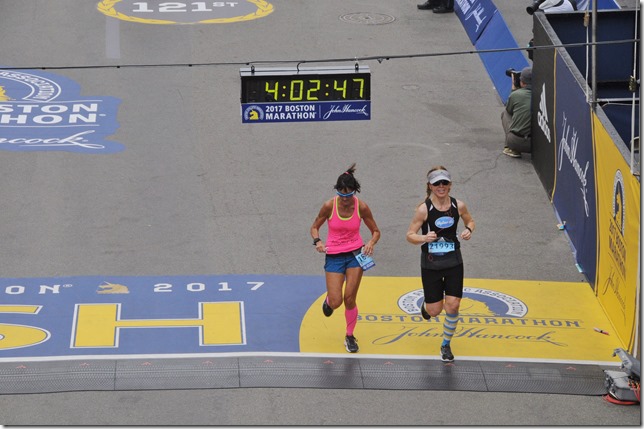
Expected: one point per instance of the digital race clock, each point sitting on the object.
(305, 94)
(313, 84)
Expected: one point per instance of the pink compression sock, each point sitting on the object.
(352, 318)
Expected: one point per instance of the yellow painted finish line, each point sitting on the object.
(502, 319)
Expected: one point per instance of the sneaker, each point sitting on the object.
(424, 312)
(446, 354)
(512, 153)
(351, 344)
(326, 309)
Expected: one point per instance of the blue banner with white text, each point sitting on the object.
(354, 110)
(497, 35)
(574, 194)
(474, 16)
(41, 111)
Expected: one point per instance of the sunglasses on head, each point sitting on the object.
(441, 182)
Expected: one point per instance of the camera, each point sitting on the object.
(516, 77)
(534, 6)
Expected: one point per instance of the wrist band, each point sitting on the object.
(316, 240)
(469, 229)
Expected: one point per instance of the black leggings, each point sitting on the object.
(436, 282)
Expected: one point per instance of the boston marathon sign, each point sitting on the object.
(304, 94)
(44, 112)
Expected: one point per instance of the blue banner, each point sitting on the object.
(306, 111)
(474, 15)
(497, 35)
(574, 195)
(117, 315)
(41, 111)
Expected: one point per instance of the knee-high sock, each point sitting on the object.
(449, 326)
(351, 317)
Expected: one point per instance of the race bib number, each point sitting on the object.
(440, 247)
(365, 261)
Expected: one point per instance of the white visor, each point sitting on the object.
(438, 175)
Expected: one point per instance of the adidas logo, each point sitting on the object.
(542, 115)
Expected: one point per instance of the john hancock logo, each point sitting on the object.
(44, 112)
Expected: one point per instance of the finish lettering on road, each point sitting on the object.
(99, 325)
(14, 336)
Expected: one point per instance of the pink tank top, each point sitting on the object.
(344, 233)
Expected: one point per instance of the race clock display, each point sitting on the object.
(299, 94)
(276, 86)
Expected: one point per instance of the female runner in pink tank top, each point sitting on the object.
(344, 213)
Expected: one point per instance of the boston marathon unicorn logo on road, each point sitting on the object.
(43, 112)
(476, 302)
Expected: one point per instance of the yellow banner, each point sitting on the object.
(502, 319)
(618, 220)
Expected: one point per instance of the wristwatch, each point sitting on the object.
(316, 240)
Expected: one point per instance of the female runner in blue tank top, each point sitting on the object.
(441, 262)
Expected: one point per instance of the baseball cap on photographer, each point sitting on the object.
(526, 75)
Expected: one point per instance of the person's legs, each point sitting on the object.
(443, 9)
(335, 267)
(506, 120)
(454, 288)
(514, 143)
(518, 144)
(446, 6)
(449, 326)
(453, 295)
(338, 269)
(334, 282)
(354, 276)
(452, 305)
(433, 291)
(429, 4)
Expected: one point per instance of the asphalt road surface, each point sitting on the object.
(194, 190)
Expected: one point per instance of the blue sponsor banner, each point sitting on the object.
(474, 16)
(574, 196)
(358, 110)
(497, 35)
(128, 316)
(601, 5)
(605, 5)
(41, 111)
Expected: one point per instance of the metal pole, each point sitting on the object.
(633, 84)
(593, 51)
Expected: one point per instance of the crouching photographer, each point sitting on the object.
(516, 118)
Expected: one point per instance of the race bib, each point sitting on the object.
(365, 261)
(441, 247)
